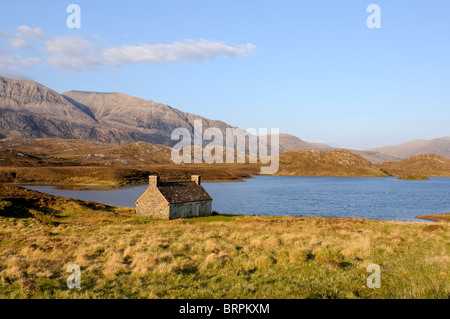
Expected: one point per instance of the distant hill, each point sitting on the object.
(326, 163)
(11, 158)
(376, 157)
(291, 143)
(80, 164)
(440, 146)
(45, 152)
(423, 164)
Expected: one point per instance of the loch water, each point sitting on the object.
(374, 198)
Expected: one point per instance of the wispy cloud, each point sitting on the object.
(73, 53)
(10, 64)
(187, 50)
(36, 33)
(76, 53)
(24, 38)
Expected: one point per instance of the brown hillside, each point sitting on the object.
(424, 164)
(78, 152)
(9, 157)
(326, 163)
(76, 162)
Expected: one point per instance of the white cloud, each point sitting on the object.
(23, 38)
(75, 53)
(36, 33)
(20, 43)
(78, 53)
(187, 50)
(11, 64)
(17, 60)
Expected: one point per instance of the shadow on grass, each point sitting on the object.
(9, 209)
(186, 270)
(96, 206)
(23, 208)
(215, 217)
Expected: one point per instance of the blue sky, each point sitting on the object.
(310, 68)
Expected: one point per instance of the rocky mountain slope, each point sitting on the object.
(31, 110)
(140, 120)
(22, 95)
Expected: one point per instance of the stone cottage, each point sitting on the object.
(174, 199)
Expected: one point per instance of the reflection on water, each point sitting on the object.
(376, 198)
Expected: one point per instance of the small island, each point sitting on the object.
(413, 177)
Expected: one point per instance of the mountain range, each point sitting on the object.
(31, 110)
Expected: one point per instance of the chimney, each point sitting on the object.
(153, 180)
(196, 179)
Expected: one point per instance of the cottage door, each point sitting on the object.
(196, 209)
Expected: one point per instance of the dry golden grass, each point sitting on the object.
(244, 257)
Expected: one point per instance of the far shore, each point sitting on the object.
(110, 185)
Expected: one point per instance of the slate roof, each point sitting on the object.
(182, 192)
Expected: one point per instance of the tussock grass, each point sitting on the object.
(124, 256)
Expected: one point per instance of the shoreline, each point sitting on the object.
(429, 218)
(437, 218)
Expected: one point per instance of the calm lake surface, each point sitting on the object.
(375, 198)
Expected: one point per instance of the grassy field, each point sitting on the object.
(124, 256)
